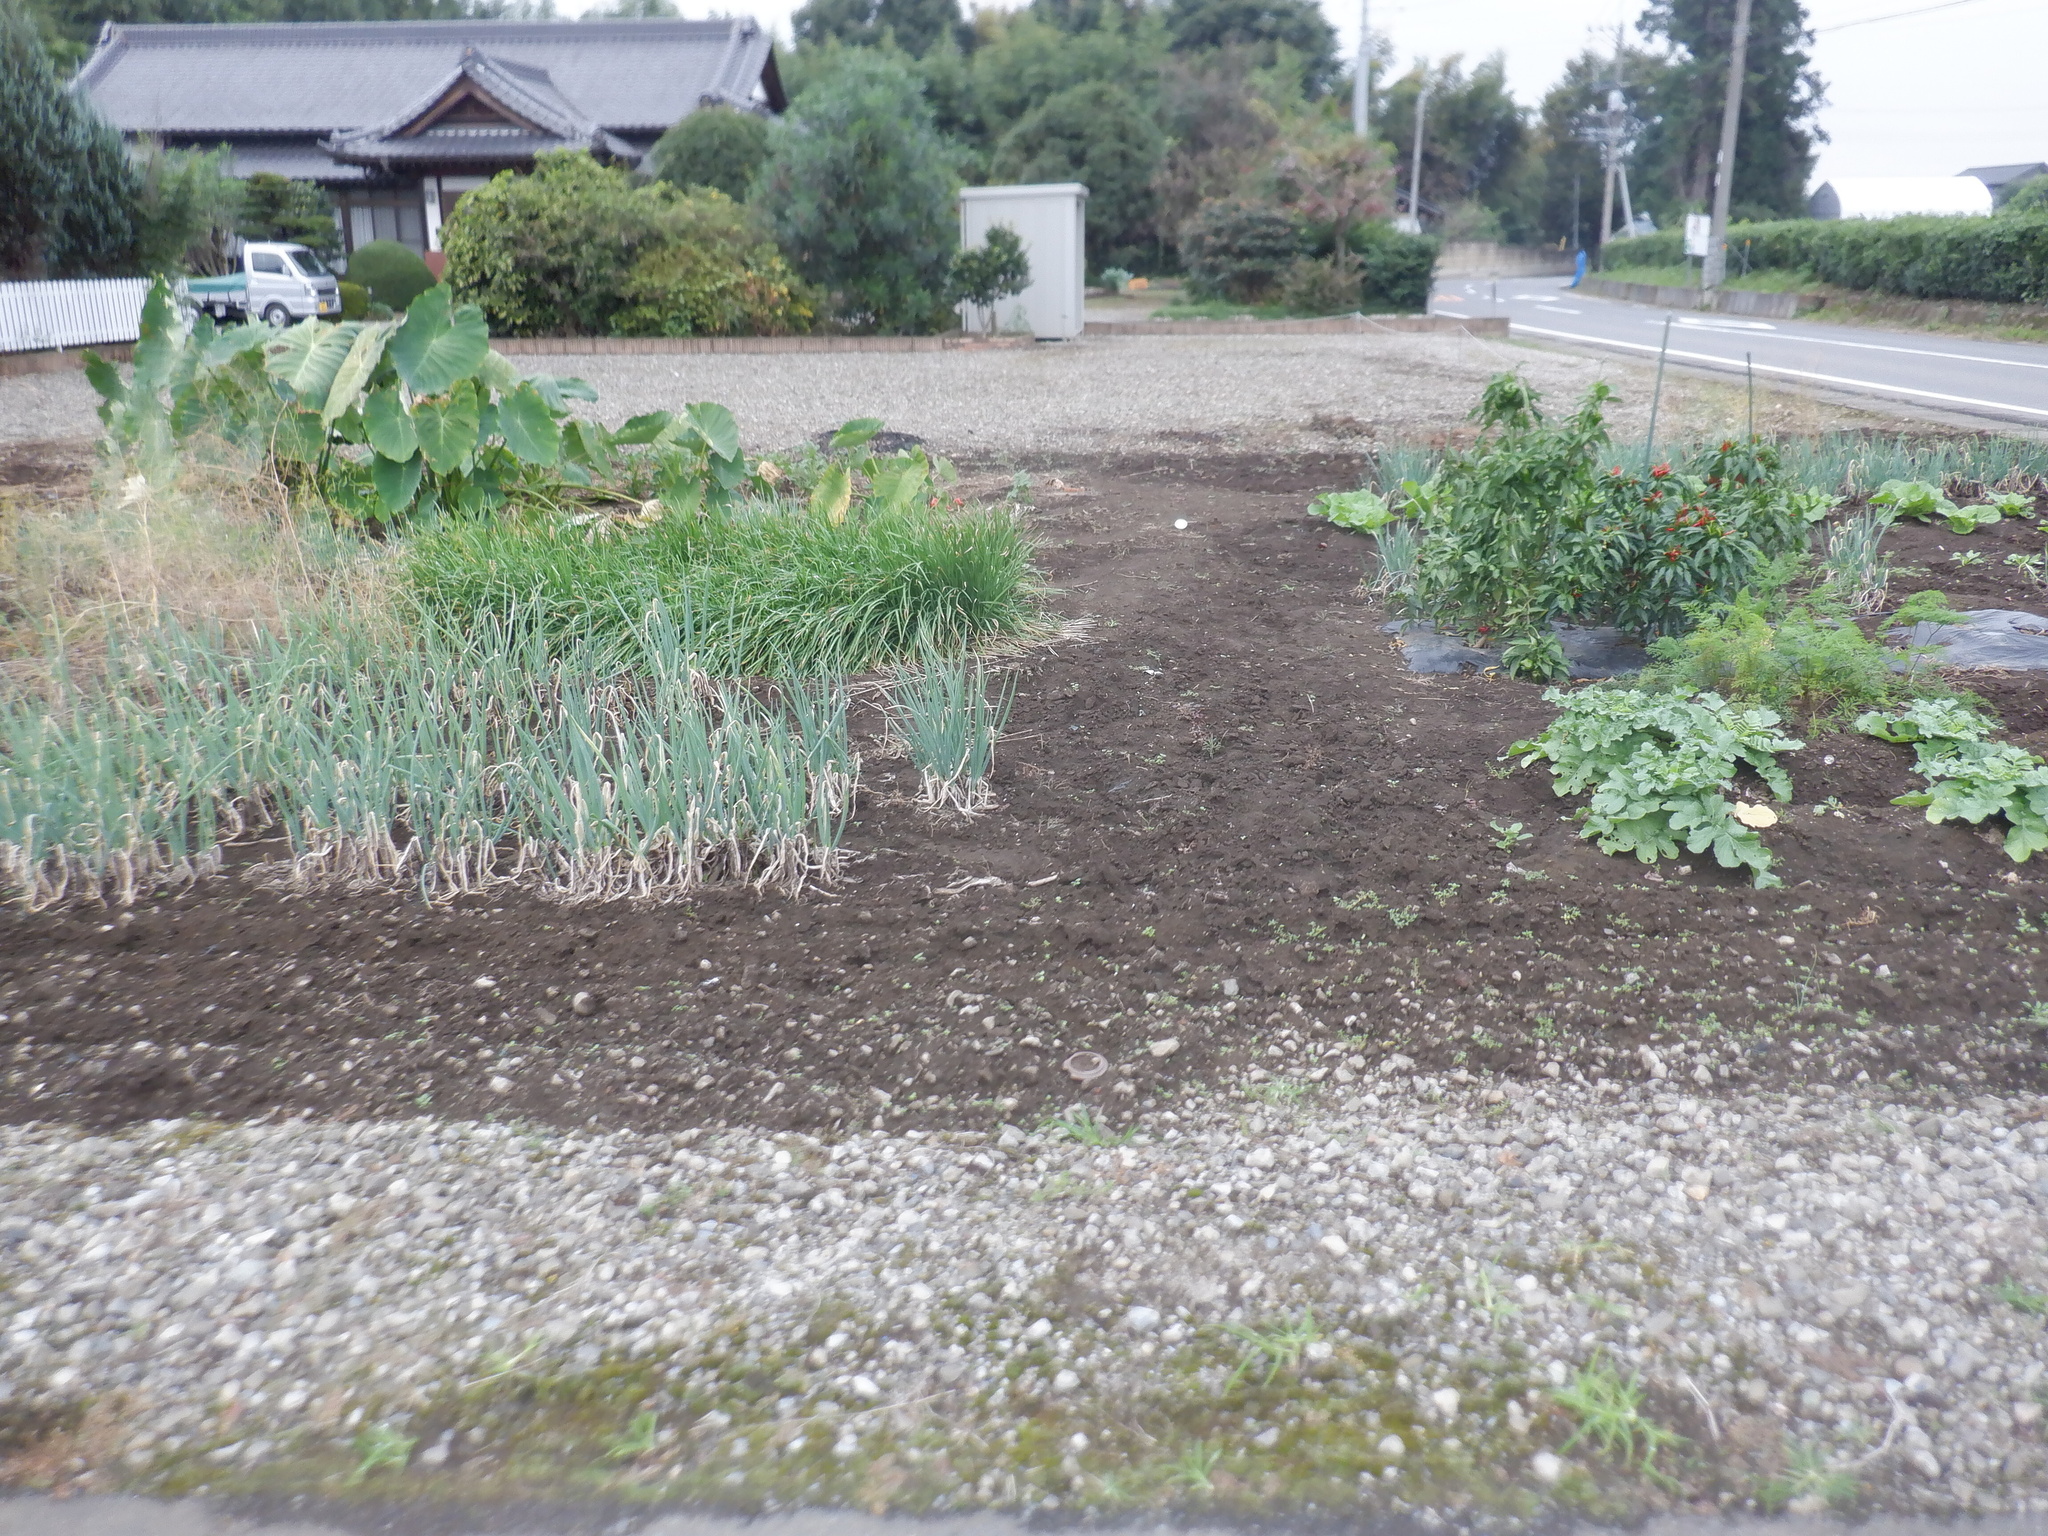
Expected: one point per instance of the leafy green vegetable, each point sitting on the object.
(1354, 511)
(1917, 498)
(1660, 768)
(1970, 778)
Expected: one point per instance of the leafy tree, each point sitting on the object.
(2030, 196)
(67, 196)
(1561, 162)
(915, 25)
(1223, 121)
(859, 189)
(1475, 139)
(995, 270)
(187, 205)
(1337, 180)
(73, 25)
(275, 207)
(1023, 62)
(1781, 93)
(1096, 134)
(1265, 26)
(712, 147)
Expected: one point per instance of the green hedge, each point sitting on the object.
(1999, 260)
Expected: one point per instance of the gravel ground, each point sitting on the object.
(1109, 395)
(1388, 1301)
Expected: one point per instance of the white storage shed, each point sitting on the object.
(1048, 219)
(1891, 197)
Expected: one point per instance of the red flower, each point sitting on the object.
(1672, 555)
(1660, 471)
(1727, 445)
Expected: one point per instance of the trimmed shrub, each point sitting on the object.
(576, 248)
(1239, 250)
(355, 300)
(394, 274)
(1320, 285)
(718, 277)
(1999, 260)
(1398, 269)
(712, 147)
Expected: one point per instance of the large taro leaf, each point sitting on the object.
(640, 430)
(300, 437)
(396, 482)
(306, 358)
(105, 378)
(529, 426)
(157, 352)
(558, 392)
(447, 427)
(390, 428)
(833, 494)
(720, 432)
(353, 376)
(434, 348)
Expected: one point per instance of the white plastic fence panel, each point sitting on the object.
(86, 312)
(1048, 219)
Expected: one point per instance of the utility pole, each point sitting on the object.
(1415, 164)
(1361, 79)
(1715, 267)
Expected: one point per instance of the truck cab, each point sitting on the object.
(278, 283)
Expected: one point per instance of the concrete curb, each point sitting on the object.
(1727, 301)
(1338, 325)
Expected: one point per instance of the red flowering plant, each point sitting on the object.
(1535, 524)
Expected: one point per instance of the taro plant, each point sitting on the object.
(1661, 769)
(391, 418)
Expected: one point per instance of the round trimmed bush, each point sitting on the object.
(355, 300)
(393, 273)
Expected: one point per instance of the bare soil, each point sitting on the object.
(1227, 811)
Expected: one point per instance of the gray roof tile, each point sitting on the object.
(330, 77)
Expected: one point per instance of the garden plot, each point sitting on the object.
(1231, 803)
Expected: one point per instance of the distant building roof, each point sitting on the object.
(1890, 197)
(633, 77)
(1997, 177)
(485, 111)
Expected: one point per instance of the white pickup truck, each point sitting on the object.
(278, 283)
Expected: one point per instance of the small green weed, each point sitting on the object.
(1080, 1125)
(380, 1446)
(1403, 917)
(2017, 1296)
(1809, 1480)
(1279, 1347)
(1280, 1092)
(636, 1442)
(1191, 1469)
(1610, 1414)
(1507, 837)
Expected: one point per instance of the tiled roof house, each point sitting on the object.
(399, 118)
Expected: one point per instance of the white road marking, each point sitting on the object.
(1721, 325)
(1801, 373)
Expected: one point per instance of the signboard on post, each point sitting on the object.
(1699, 234)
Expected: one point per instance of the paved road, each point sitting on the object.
(1997, 380)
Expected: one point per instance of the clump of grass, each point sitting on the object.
(1610, 1414)
(1279, 1347)
(765, 589)
(949, 713)
(447, 761)
(1081, 1125)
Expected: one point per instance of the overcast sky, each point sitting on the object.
(1918, 95)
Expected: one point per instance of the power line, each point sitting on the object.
(1864, 21)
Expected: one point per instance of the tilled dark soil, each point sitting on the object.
(1228, 815)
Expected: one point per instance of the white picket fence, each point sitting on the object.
(36, 317)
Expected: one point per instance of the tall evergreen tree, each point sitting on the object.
(916, 26)
(1781, 93)
(67, 195)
